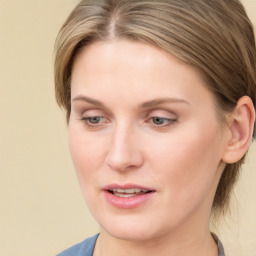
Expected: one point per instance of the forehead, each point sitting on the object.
(134, 68)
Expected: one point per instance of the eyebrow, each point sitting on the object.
(147, 104)
(156, 102)
(89, 100)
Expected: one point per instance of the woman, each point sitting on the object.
(160, 100)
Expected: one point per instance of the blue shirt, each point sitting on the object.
(86, 247)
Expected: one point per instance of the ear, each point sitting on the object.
(240, 126)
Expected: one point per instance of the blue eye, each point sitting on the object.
(162, 121)
(93, 120)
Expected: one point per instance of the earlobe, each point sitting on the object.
(241, 124)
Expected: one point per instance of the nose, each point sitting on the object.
(124, 151)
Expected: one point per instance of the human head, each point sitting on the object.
(216, 37)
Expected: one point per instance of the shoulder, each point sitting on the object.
(84, 248)
(220, 245)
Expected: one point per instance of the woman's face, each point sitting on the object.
(145, 141)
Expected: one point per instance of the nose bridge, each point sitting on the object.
(124, 152)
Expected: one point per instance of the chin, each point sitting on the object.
(130, 228)
(131, 234)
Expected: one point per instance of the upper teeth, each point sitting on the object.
(128, 191)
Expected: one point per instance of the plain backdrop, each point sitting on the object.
(41, 208)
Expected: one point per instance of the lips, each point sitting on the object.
(127, 196)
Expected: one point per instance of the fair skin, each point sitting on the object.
(141, 118)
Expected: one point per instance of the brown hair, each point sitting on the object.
(214, 36)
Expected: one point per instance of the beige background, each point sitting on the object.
(41, 207)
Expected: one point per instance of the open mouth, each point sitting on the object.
(127, 196)
(131, 192)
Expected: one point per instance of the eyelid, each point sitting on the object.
(80, 108)
(162, 113)
(92, 112)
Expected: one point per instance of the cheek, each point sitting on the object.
(187, 162)
(85, 152)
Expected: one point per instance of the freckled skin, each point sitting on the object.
(181, 159)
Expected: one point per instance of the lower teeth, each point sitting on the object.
(125, 195)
